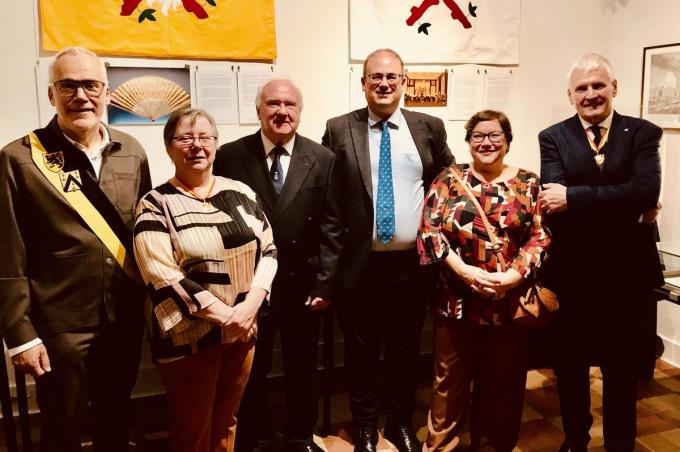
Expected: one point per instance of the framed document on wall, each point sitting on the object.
(660, 98)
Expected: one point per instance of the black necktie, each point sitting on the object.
(276, 171)
(597, 137)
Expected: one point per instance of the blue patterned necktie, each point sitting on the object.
(385, 203)
(276, 171)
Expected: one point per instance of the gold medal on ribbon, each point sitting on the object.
(597, 149)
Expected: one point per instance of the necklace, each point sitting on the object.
(597, 149)
(205, 205)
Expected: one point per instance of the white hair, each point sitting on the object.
(591, 62)
(258, 95)
(73, 51)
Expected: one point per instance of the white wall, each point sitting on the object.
(312, 38)
(313, 46)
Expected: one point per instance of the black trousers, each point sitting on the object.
(386, 309)
(96, 365)
(299, 329)
(600, 329)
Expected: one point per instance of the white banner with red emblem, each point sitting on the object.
(437, 31)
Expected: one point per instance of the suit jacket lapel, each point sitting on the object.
(579, 148)
(358, 125)
(617, 132)
(256, 166)
(420, 136)
(301, 163)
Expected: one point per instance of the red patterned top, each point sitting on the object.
(451, 221)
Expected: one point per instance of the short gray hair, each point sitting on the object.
(258, 94)
(193, 114)
(72, 51)
(591, 62)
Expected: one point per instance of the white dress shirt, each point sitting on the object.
(407, 181)
(605, 125)
(285, 156)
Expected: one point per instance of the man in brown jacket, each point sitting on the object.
(71, 306)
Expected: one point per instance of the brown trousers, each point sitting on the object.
(204, 391)
(494, 358)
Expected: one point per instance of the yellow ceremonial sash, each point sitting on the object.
(78, 201)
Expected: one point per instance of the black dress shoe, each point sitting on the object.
(263, 445)
(402, 437)
(572, 447)
(367, 439)
(302, 446)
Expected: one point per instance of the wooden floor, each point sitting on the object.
(658, 416)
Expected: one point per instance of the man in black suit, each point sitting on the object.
(293, 179)
(602, 179)
(386, 159)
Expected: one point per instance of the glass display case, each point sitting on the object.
(669, 252)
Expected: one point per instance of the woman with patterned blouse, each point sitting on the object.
(205, 251)
(475, 339)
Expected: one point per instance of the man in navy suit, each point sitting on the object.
(602, 177)
(386, 159)
(293, 179)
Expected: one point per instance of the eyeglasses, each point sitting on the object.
(188, 140)
(69, 88)
(494, 137)
(377, 78)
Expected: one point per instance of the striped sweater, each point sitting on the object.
(192, 254)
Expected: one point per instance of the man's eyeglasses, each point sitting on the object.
(188, 140)
(494, 137)
(376, 78)
(69, 88)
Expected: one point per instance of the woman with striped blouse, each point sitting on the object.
(205, 251)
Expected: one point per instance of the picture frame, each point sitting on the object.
(144, 93)
(660, 93)
(426, 89)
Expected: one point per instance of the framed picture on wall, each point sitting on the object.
(660, 98)
(427, 92)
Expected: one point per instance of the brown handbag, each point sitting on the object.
(531, 304)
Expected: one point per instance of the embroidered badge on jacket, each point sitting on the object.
(70, 181)
(54, 161)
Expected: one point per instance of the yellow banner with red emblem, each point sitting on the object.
(203, 29)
